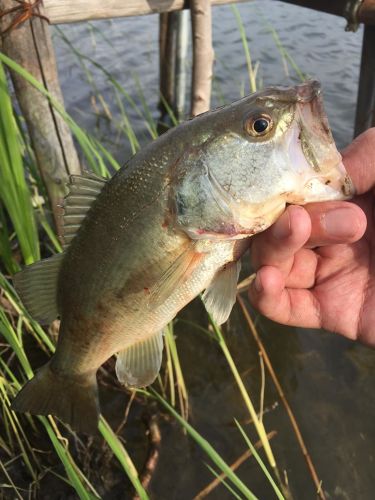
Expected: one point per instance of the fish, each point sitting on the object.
(171, 224)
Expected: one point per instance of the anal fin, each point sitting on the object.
(37, 286)
(138, 365)
(220, 297)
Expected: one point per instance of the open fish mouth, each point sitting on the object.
(333, 186)
(307, 91)
(303, 93)
(314, 149)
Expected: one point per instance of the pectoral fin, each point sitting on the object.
(175, 275)
(220, 297)
(138, 365)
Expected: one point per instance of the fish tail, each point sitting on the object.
(72, 399)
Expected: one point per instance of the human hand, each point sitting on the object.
(316, 265)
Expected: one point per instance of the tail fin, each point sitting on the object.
(74, 400)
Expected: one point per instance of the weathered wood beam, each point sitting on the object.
(203, 56)
(72, 11)
(30, 45)
(365, 116)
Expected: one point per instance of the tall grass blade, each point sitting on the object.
(245, 396)
(14, 192)
(223, 481)
(206, 447)
(176, 367)
(92, 155)
(123, 457)
(252, 71)
(279, 495)
(74, 474)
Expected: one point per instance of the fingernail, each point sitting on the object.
(281, 228)
(258, 283)
(339, 223)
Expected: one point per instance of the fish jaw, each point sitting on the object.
(313, 153)
(334, 185)
(308, 180)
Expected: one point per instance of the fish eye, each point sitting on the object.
(258, 125)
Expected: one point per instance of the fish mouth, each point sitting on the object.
(319, 174)
(328, 178)
(308, 91)
(303, 93)
(334, 185)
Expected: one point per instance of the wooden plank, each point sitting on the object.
(72, 11)
(30, 45)
(365, 116)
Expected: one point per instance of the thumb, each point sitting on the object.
(335, 222)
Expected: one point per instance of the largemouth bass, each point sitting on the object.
(170, 224)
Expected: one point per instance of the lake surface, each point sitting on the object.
(328, 381)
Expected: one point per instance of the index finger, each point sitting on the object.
(359, 161)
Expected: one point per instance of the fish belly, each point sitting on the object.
(125, 318)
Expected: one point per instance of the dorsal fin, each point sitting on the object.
(83, 190)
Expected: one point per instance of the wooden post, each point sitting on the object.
(30, 45)
(182, 39)
(173, 42)
(365, 115)
(167, 51)
(202, 56)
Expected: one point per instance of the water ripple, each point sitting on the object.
(317, 42)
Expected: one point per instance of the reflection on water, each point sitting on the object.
(328, 381)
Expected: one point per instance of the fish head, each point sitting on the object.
(267, 150)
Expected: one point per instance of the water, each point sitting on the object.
(328, 381)
(129, 47)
